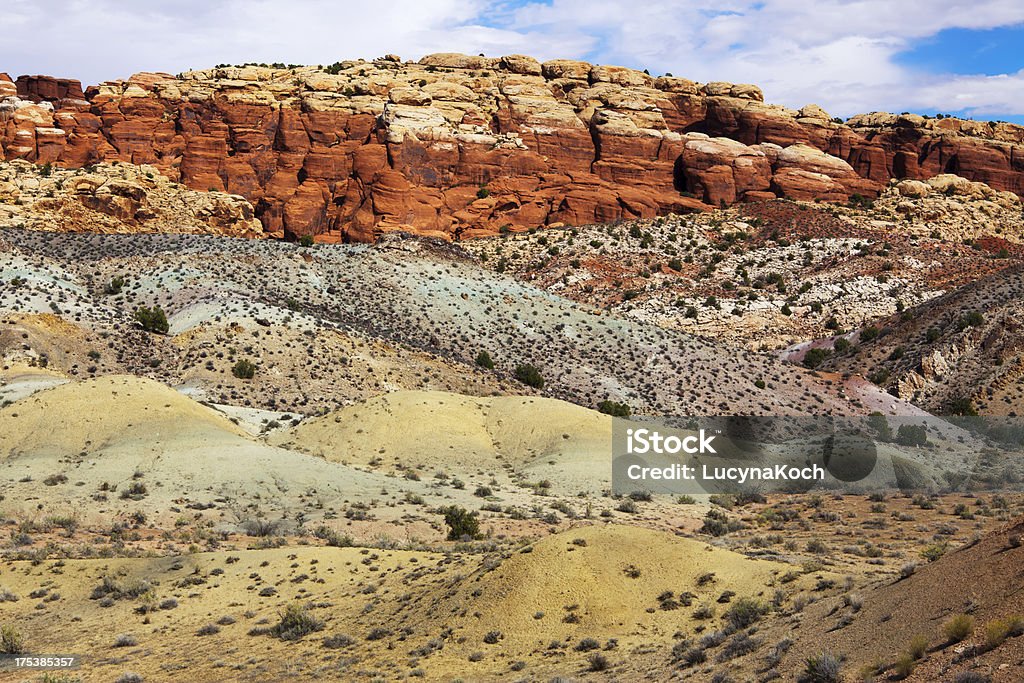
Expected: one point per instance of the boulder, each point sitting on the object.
(521, 64)
(566, 68)
(455, 60)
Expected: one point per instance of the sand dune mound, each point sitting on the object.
(438, 430)
(596, 581)
(144, 446)
(102, 412)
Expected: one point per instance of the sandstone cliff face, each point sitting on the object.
(462, 146)
(116, 198)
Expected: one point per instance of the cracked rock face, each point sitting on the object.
(464, 146)
(116, 199)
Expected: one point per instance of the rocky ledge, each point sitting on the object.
(461, 146)
(116, 198)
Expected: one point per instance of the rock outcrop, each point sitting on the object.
(461, 146)
(116, 198)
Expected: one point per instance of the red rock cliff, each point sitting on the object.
(457, 145)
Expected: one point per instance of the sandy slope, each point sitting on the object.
(538, 437)
(434, 609)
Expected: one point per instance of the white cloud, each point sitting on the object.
(837, 53)
(108, 39)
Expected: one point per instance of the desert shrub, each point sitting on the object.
(815, 357)
(306, 241)
(337, 641)
(332, 537)
(904, 666)
(971, 677)
(912, 435)
(627, 506)
(822, 668)
(11, 642)
(917, 647)
(114, 286)
(588, 644)
(817, 546)
(483, 359)
(492, 637)
(694, 656)
(998, 630)
(213, 629)
(934, 551)
(958, 628)
(740, 644)
(259, 527)
(597, 662)
(126, 640)
(962, 405)
(614, 408)
(244, 369)
(744, 612)
(129, 677)
(135, 491)
(529, 375)
(717, 523)
(868, 333)
(971, 319)
(152, 319)
(110, 587)
(461, 523)
(296, 622)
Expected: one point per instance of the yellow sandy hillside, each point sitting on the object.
(426, 429)
(96, 413)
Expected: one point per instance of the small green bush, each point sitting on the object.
(11, 642)
(461, 523)
(296, 622)
(244, 369)
(822, 668)
(815, 357)
(529, 375)
(958, 628)
(152, 319)
(614, 408)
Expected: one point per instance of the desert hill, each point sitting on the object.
(537, 438)
(118, 444)
(458, 145)
(981, 581)
(955, 354)
(383, 612)
(291, 312)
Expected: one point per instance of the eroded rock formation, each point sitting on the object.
(115, 198)
(459, 145)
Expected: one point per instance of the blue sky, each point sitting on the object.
(989, 52)
(849, 56)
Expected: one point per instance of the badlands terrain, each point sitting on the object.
(380, 448)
